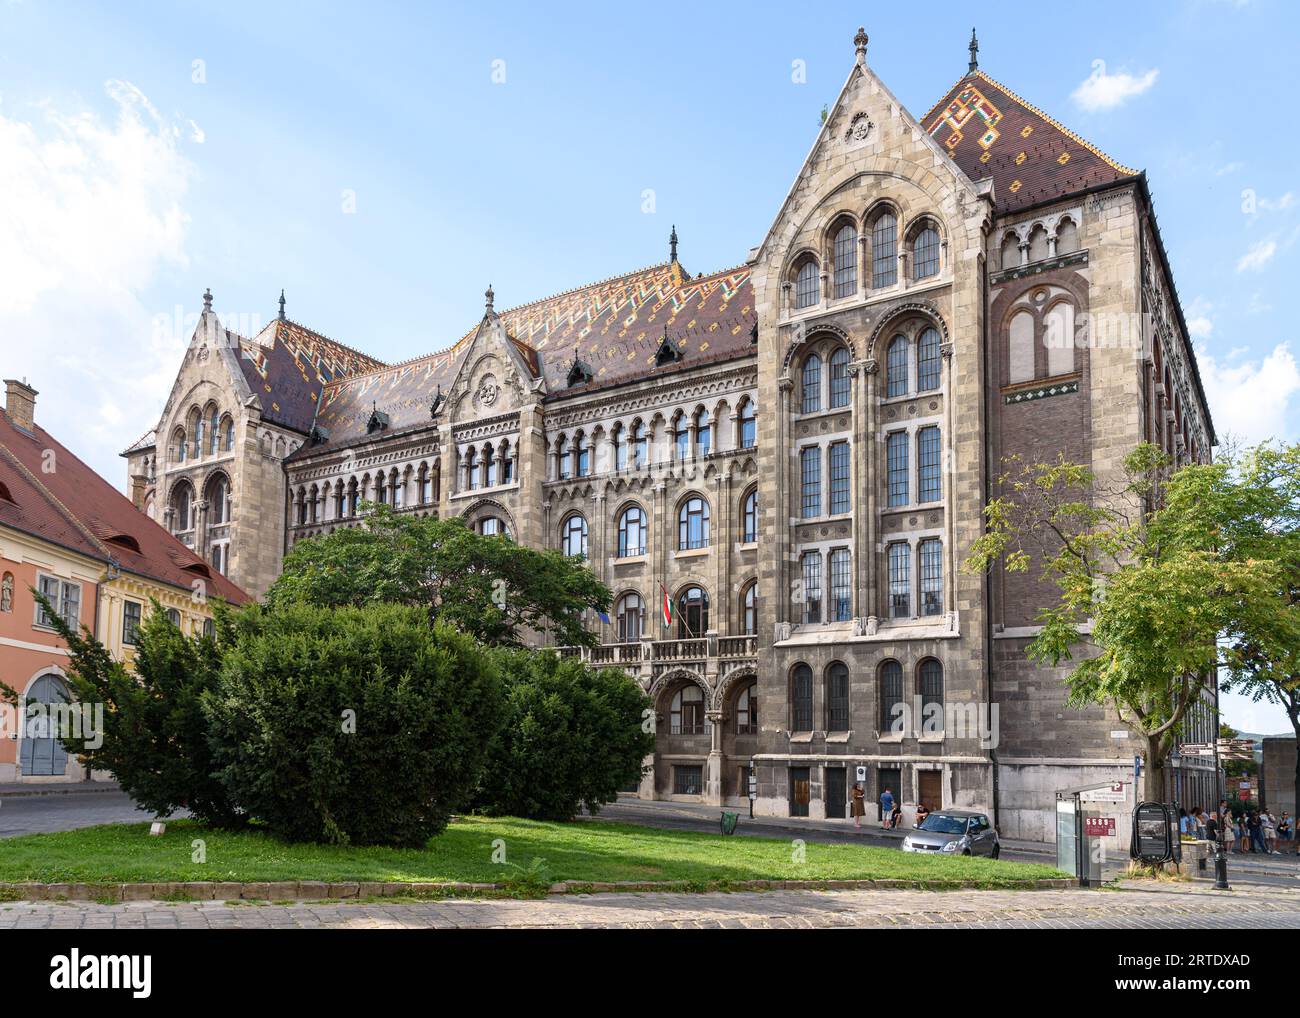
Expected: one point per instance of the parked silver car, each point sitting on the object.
(954, 832)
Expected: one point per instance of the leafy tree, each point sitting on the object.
(154, 741)
(1169, 567)
(351, 725)
(487, 586)
(572, 736)
(1265, 672)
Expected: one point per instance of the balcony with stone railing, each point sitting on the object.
(709, 656)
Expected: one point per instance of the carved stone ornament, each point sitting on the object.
(488, 390)
(859, 128)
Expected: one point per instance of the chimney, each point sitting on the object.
(20, 403)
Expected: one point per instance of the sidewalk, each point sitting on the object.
(16, 790)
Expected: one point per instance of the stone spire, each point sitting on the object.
(672, 244)
(207, 300)
(489, 296)
(860, 44)
(974, 53)
(282, 305)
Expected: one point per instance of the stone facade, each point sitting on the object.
(796, 452)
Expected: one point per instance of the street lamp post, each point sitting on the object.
(1220, 849)
(1175, 760)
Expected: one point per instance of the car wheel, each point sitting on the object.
(966, 852)
(997, 851)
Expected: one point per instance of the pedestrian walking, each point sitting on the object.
(1285, 831)
(886, 808)
(1268, 832)
(858, 805)
(1243, 835)
(1256, 831)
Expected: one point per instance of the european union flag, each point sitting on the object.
(603, 617)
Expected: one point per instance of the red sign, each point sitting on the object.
(1245, 794)
(1099, 827)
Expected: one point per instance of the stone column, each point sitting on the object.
(713, 772)
(868, 570)
(781, 532)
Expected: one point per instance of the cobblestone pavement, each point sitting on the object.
(1135, 906)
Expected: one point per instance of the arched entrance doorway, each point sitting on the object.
(40, 754)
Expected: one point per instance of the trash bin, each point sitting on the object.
(729, 822)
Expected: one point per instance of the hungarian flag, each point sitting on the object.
(668, 608)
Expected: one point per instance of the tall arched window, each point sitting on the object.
(925, 253)
(629, 614)
(471, 469)
(687, 712)
(748, 425)
(846, 261)
(183, 507)
(1067, 237)
(425, 484)
(631, 532)
(749, 609)
(178, 445)
(1020, 348)
(228, 435)
(930, 680)
(218, 496)
(703, 433)
(837, 697)
(891, 695)
(805, 284)
(620, 448)
(801, 699)
(214, 432)
(574, 536)
(896, 367)
(840, 378)
(1058, 338)
(563, 458)
(640, 444)
(492, 526)
(693, 524)
(929, 360)
(582, 455)
(681, 438)
(749, 518)
(489, 467)
(692, 613)
(747, 710)
(811, 400)
(884, 250)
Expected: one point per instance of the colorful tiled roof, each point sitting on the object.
(289, 373)
(991, 132)
(615, 326)
(75, 508)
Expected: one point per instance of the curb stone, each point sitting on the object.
(322, 891)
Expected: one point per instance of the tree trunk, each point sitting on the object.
(1153, 776)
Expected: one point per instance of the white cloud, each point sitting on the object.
(196, 133)
(92, 209)
(1250, 400)
(1227, 168)
(1101, 91)
(1277, 204)
(1200, 327)
(1259, 255)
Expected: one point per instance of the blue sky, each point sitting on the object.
(384, 162)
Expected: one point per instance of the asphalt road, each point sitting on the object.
(37, 814)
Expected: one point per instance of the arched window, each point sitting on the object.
(930, 679)
(507, 462)
(805, 284)
(884, 250)
(812, 385)
(693, 524)
(340, 501)
(840, 378)
(925, 253)
(228, 435)
(891, 695)
(582, 455)
(574, 536)
(354, 498)
(381, 487)
(1058, 338)
(183, 507)
(218, 496)
(563, 458)
(620, 448)
(749, 518)
(703, 433)
(492, 526)
(896, 367)
(640, 444)
(687, 712)
(631, 532)
(302, 506)
(681, 438)
(471, 469)
(801, 699)
(749, 609)
(1037, 243)
(846, 261)
(489, 467)
(178, 445)
(929, 360)
(214, 432)
(629, 614)
(1010, 251)
(748, 425)
(1020, 348)
(692, 613)
(1067, 237)
(425, 484)
(747, 710)
(837, 697)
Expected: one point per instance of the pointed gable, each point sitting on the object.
(992, 133)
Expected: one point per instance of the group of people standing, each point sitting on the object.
(1246, 831)
(891, 811)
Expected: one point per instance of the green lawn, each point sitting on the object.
(584, 851)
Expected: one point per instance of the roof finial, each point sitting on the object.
(860, 44)
(207, 299)
(672, 244)
(974, 53)
(490, 297)
(282, 305)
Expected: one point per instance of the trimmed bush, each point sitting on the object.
(572, 736)
(357, 726)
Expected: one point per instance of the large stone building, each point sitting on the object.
(794, 451)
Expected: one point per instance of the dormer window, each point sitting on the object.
(379, 421)
(668, 352)
(580, 372)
